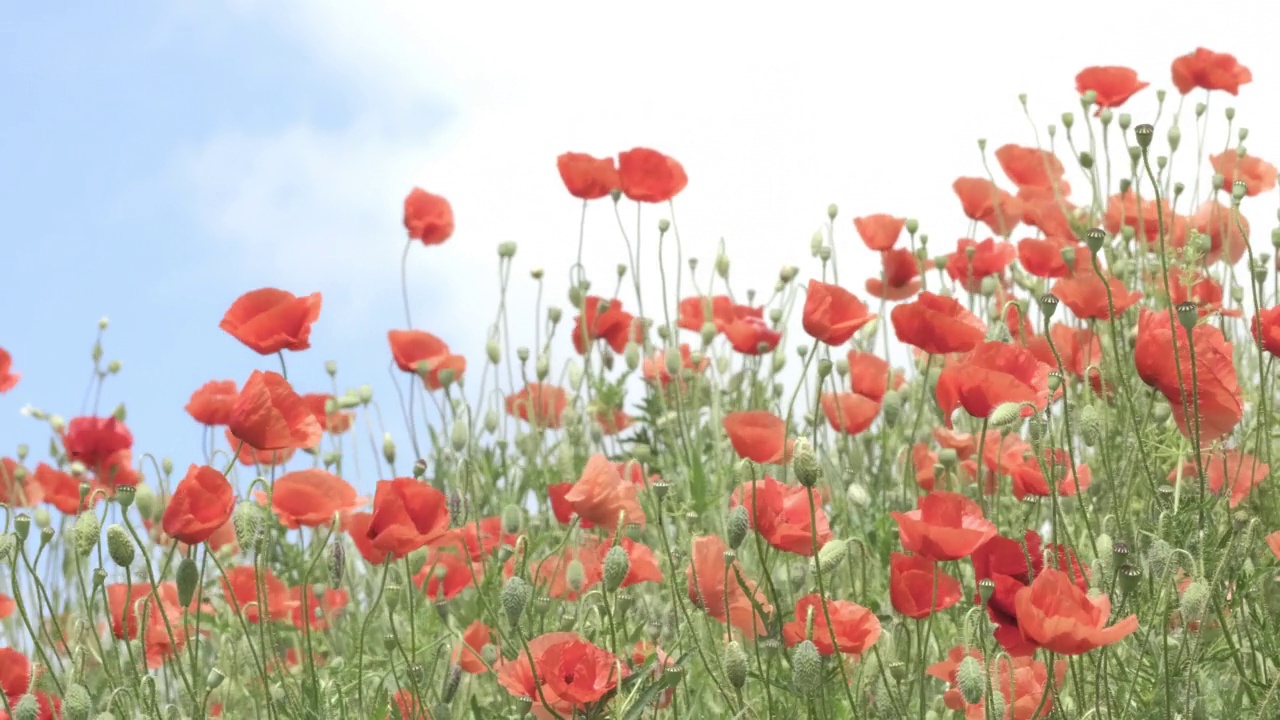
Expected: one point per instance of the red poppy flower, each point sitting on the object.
(479, 538)
(201, 504)
(945, 526)
(602, 497)
(708, 590)
(1112, 85)
(719, 310)
(212, 403)
(269, 415)
(311, 497)
(356, 525)
(1266, 329)
(1216, 399)
(1209, 70)
(446, 573)
(1003, 561)
(15, 674)
(983, 201)
(992, 375)
(93, 440)
(1085, 294)
(126, 605)
(336, 422)
(466, 654)
(649, 176)
(246, 454)
(550, 575)
(832, 314)
(1257, 175)
(612, 324)
(240, 588)
(1145, 218)
(937, 325)
(1056, 614)
(408, 706)
(879, 232)
(643, 562)
(8, 378)
(538, 404)
(1273, 542)
(758, 435)
(1234, 470)
(780, 513)
(18, 487)
(988, 258)
(655, 367)
(1226, 239)
(268, 320)
(869, 375)
(751, 335)
(587, 177)
(1023, 682)
(918, 587)
(425, 355)
(570, 673)
(322, 609)
(407, 514)
(62, 491)
(427, 217)
(1042, 257)
(1029, 479)
(849, 412)
(900, 278)
(1030, 167)
(856, 628)
(7, 606)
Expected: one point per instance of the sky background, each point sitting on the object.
(161, 158)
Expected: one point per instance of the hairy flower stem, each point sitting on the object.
(822, 596)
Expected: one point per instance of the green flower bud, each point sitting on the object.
(506, 249)
(119, 545)
(831, 556)
(576, 576)
(1194, 601)
(722, 266)
(188, 577)
(76, 703)
(388, 448)
(27, 708)
(514, 597)
(88, 530)
(971, 679)
(1005, 414)
(804, 462)
(806, 668)
(616, 566)
(734, 660)
(337, 564)
(247, 522)
(737, 525)
(494, 351)
(1090, 421)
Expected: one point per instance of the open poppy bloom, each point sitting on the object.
(983, 201)
(603, 497)
(990, 376)
(573, 673)
(466, 654)
(1112, 85)
(18, 487)
(445, 573)
(937, 325)
(1258, 176)
(246, 454)
(1023, 682)
(240, 588)
(900, 277)
(1266, 329)
(655, 368)
(648, 176)
(918, 587)
(1209, 70)
(407, 515)
(427, 217)
(832, 314)
(708, 590)
(945, 526)
(269, 321)
(856, 628)
(538, 404)
(1086, 295)
(879, 232)
(780, 513)
(201, 504)
(1030, 167)
(212, 403)
(1054, 613)
(758, 435)
(62, 491)
(849, 413)
(587, 177)
(311, 498)
(8, 378)
(1213, 403)
(269, 415)
(751, 335)
(425, 355)
(972, 261)
(1228, 232)
(604, 319)
(1238, 472)
(94, 440)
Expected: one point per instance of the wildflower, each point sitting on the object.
(758, 435)
(426, 355)
(780, 514)
(937, 325)
(269, 415)
(900, 277)
(427, 217)
(212, 403)
(587, 177)
(1209, 70)
(646, 175)
(407, 514)
(856, 628)
(832, 314)
(538, 404)
(992, 375)
(201, 504)
(918, 587)
(1056, 614)
(311, 497)
(466, 654)
(8, 378)
(879, 232)
(601, 495)
(1258, 175)
(1111, 85)
(570, 672)
(945, 526)
(1216, 399)
(710, 592)
(269, 321)
(612, 324)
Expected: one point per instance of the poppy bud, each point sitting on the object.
(736, 526)
(1086, 160)
(1090, 425)
(494, 351)
(337, 564)
(722, 266)
(986, 587)
(616, 566)
(88, 529)
(1159, 556)
(971, 679)
(788, 273)
(27, 708)
(815, 244)
(1036, 428)
(246, 520)
(506, 249)
(119, 545)
(1194, 600)
(806, 668)
(857, 495)
(188, 577)
(996, 704)
(1068, 120)
(831, 556)
(76, 703)
(832, 211)
(515, 596)
(1187, 315)
(804, 462)
(734, 660)
(987, 287)
(1005, 414)
(1143, 134)
(460, 434)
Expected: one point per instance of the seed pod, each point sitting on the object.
(76, 703)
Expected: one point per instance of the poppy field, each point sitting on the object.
(1022, 474)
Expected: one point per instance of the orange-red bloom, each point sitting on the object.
(427, 217)
(269, 415)
(849, 413)
(162, 613)
(1234, 470)
(832, 314)
(445, 573)
(856, 628)
(937, 325)
(246, 454)
(603, 497)
(879, 232)
(1087, 296)
(655, 367)
(538, 404)
(8, 378)
(918, 587)
(1209, 70)
(269, 321)
(1227, 239)
(466, 654)
(1054, 613)
(201, 504)
(993, 374)
(407, 514)
(212, 403)
(311, 497)
(62, 491)
(94, 440)
(869, 375)
(780, 513)
(708, 590)
(983, 201)
(1258, 175)
(587, 177)
(570, 673)
(649, 176)
(1023, 682)
(18, 487)
(1111, 84)
(751, 335)
(900, 278)
(1042, 257)
(240, 588)
(972, 261)
(758, 435)
(1030, 167)
(1213, 401)
(426, 355)
(612, 324)
(945, 526)
(1266, 329)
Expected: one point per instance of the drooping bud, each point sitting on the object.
(804, 462)
(188, 577)
(735, 664)
(737, 525)
(388, 449)
(246, 520)
(1005, 414)
(616, 566)
(1090, 425)
(806, 668)
(88, 530)
(1194, 601)
(515, 596)
(119, 545)
(971, 679)
(831, 556)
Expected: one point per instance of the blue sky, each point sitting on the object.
(107, 214)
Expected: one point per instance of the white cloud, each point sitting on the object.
(774, 115)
